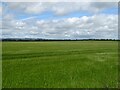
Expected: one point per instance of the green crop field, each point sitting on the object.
(63, 64)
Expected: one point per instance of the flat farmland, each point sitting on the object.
(60, 64)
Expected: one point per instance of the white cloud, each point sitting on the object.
(35, 8)
(60, 8)
(8, 17)
(96, 26)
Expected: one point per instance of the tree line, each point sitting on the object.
(38, 39)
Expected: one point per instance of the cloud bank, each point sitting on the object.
(98, 25)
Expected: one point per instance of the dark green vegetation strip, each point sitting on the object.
(69, 64)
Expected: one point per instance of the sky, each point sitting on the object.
(59, 20)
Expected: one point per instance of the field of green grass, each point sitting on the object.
(64, 64)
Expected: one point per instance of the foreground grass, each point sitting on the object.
(69, 64)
